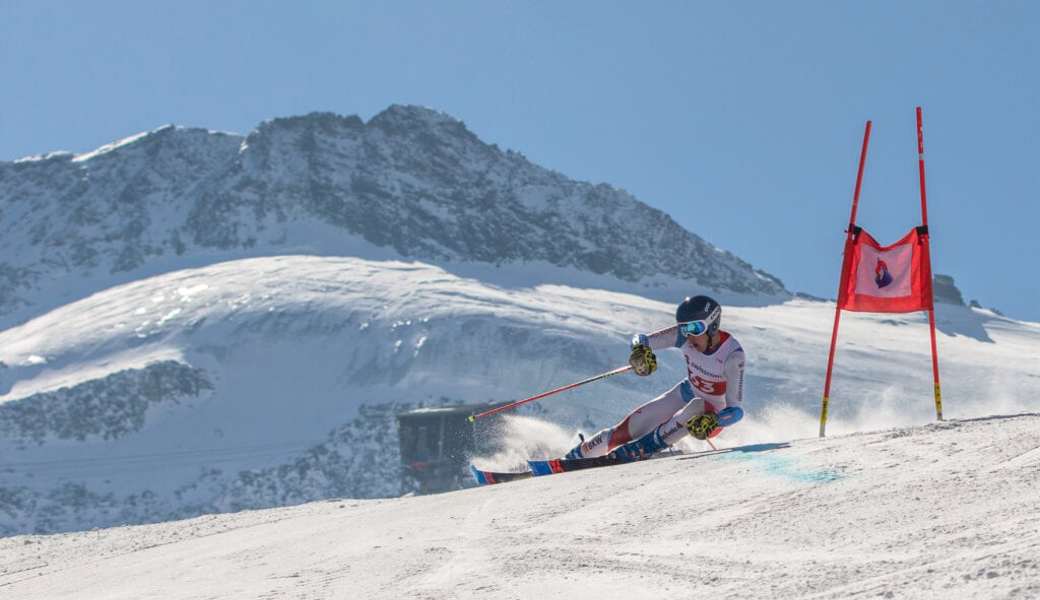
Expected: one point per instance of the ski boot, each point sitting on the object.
(644, 447)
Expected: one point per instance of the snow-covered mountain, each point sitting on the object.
(269, 381)
(411, 183)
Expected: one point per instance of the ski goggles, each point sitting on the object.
(693, 327)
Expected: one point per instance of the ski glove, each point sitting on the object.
(701, 426)
(642, 360)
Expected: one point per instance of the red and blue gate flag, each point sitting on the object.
(886, 279)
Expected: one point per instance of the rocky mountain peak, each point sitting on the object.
(412, 181)
(404, 119)
(946, 291)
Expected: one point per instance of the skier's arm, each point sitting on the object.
(642, 359)
(734, 369)
(663, 338)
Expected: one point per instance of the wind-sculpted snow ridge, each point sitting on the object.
(947, 510)
(105, 408)
(410, 183)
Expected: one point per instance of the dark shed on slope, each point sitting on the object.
(437, 444)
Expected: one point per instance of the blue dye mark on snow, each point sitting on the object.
(785, 467)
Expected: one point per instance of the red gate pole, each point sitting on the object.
(928, 261)
(845, 265)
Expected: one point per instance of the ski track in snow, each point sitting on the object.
(947, 510)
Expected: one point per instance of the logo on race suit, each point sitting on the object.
(692, 365)
(596, 441)
(668, 429)
(881, 275)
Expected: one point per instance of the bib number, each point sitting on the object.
(711, 388)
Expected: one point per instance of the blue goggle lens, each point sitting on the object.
(693, 327)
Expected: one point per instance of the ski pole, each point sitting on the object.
(487, 413)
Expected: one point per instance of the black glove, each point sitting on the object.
(701, 426)
(642, 360)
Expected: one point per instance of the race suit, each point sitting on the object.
(714, 383)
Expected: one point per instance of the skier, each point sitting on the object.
(704, 402)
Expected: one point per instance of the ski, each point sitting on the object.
(491, 477)
(551, 466)
(543, 467)
(564, 465)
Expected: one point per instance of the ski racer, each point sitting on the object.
(704, 402)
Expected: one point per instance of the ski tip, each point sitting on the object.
(478, 475)
(472, 419)
(492, 477)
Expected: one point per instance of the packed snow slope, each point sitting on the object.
(272, 381)
(946, 510)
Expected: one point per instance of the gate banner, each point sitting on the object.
(886, 279)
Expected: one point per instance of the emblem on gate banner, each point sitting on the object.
(881, 275)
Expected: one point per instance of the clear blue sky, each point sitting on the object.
(741, 120)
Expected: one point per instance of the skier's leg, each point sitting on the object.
(663, 434)
(637, 423)
(674, 429)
